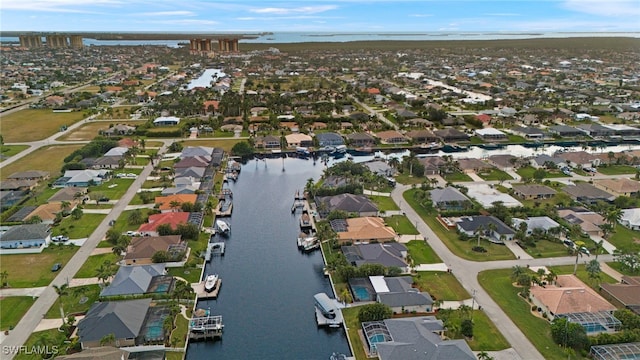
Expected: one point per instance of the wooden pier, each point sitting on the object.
(203, 294)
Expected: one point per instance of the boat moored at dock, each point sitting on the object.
(223, 227)
(307, 243)
(210, 283)
(327, 311)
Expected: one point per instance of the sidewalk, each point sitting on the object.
(48, 324)
(610, 271)
(375, 193)
(432, 267)
(33, 292)
(517, 250)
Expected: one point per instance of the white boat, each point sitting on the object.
(210, 283)
(308, 243)
(222, 227)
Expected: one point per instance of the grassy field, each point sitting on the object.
(12, 309)
(625, 238)
(498, 284)
(174, 355)
(8, 151)
(225, 144)
(78, 229)
(79, 300)
(495, 174)
(179, 334)
(48, 158)
(422, 253)
(138, 201)
(401, 225)
(35, 124)
(88, 269)
(616, 266)
(90, 130)
(441, 285)
(546, 248)
(486, 336)
(409, 180)
(457, 177)
(122, 225)
(113, 189)
(48, 338)
(616, 169)
(385, 203)
(527, 172)
(39, 266)
(353, 325)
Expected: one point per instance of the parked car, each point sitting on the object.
(59, 238)
(104, 199)
(56, 267)
(569, 243)
(585, 251)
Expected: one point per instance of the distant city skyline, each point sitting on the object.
(321, 15)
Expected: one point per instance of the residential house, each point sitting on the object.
(123, 319)
(588, 221)
(179, 190)
(329, 139)
(155, 220)
(587, 193)
(173, 203)
(349, 203)
(381, 168)
(194, 161)
(544, 160)
(82, 178)
(36, 175)
(118, 130)
(298, 140)
(399, 295)
(529, 133)
(565, 131)
(138, 280)
(414, 338)
(18, 185)
(631, 218)
(504, 162)
(360, 139)
(624, 294)
(141, 249)
(580, 159)
(166, 121)
(10, 197)
(533, 192)
(619, 186)
(363, 230)
(388, 254)
(544, 223)
(451, 135)
(334, 181)
(449, 198)
(25, 236)
(193, 171)
(490, 134)
(489, 227)
(47, 212)
(391, 137)
(422, 136)
(107, 162)
(433, 165)
(568, 295)
(197, 151)
(473, 165)
(267, 142)
(595, 130)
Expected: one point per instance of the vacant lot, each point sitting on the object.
(78, 300)
(113, 188)
(385, 203)
(49, 158)
(90, 130)
(440, 285)
(225, 144)
(93, 263)
(422, 253)
(617, 169)
(401, 225)
(8, 151)
(12, 309)
(33, 270)
(35, 124)
(78, 229)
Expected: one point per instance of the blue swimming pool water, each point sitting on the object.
(590, 328)
(361, 293)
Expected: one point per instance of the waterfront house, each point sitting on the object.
(565, 131)
(329, 139)
(194, 151)
(363, 230)
(490, 134)
(529, 133)
(267, 142)
(587, 193)
(473, 165)
(194, 172)
(489, 227)
(166, 121)
(172, 218)
(422, 136)
(25, 236)
(631, 218)
(193, 161)
(391, 137)
(625, 294)
(179, 190)
(595, 130)
(359, 205)
(533, 192)
(138, 280)
(141, 249)
(449, 198)
(433, 165)
(399, 294)
(451, 135)
(173, 203)
(619, 186)
(123, 319)
(98, 353)
(380, 167)
(543, 223)
(544, 161)
(413, 338)
(504, 162)
(580, 159)
(298, 140)
(389, 254)
(588, 221)
(360, 139)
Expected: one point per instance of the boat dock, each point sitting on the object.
(224, 208)
(333, 323)
(205, 327)
(215, 248)
(307, 220)
(203, 294)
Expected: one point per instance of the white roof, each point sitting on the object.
(167, 119)
(486, 196)
(116, 151)
(631, 217)
(489, 131)
(619, 127)
(379, 285)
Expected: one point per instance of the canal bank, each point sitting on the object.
(266, 301)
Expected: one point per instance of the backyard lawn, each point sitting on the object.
(89, 268)
(353, 325)
(79, 300)
(78, 229)
(498, 284)
(35, 124)
(179, 334)
(422, 253)
(48, 158)
(457, 177)
(616, 169)
(385, 203)
(440, 285)
(8, 151)
(113, 188)
(625, 238)
(39, 266)
(12, 309)
(494, 174)
(401, 225)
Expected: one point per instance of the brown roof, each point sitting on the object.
(366, 229)
(470, 164)
(46, 211)
(389, 134)
(533, 189)
(620, 185)
(67, 194)
(570, 295)
(145, 247)
(628, 293)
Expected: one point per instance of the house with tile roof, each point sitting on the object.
(68, 194)
(391, 137)
(360, 139)
(298, 140)
(141, 249)
(587, 193)
(193, 161)
(473, 165)
(580, 159)
(624, 294)
(533, 191)
(588, 221)
(172, 203)
(47, 212)
(422, 136)
(363, 230)
(155, 220)
(619, 186)
(349, 203)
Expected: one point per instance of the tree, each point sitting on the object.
(135, 217)
(65, 206)
(77, 213)
(109, 339)
(598, 248)
(516, 271)
(182, 290)
(174, 205)
(62, 291)
(629, 261)
(374, 312)
(112, 236)
(35, 219)
(466, 328)
(613, 216)
(4, 275)
(242, 148)
(578, 253)
(593, 269)
(539, 174)
(105, 271)
(160, 257)
(569, 334)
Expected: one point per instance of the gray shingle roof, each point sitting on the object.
(472, 223)
(26, 232)
(348, 203)
(409, 298)
(133, 279)
(388, 254)
(122, 318)
(448, 194)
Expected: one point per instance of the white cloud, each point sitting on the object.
(614, 8)
(169, 13)
(295, 10)
(70, 6)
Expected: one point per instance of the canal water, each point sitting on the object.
(266, 296)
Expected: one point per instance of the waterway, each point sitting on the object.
(204, 80)
(266, 296)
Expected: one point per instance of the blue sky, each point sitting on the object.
(320, 15)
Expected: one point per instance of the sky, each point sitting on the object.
(321, 15)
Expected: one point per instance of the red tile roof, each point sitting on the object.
(171, 218)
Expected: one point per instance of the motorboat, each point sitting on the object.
(307, 243)
(222, 227)
(210, 283)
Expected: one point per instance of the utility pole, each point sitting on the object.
(473, 302)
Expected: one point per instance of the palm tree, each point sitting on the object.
(551, 277)
(578, 253)
(593, 269)
(310, 188)
(598, 248)
(479, 232)
(3, 278)
(516, 271)
(62, 291)
(65, 206)
(105, 271)
(109, 339)
(613, 216)
(174, 205)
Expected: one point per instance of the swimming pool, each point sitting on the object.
(593, 327)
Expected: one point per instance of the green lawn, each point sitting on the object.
(353, 325)
(12, 309)
(401, 225)
(616, 169)
(78, 229)
(422, 253)
(409, 180)
(440, 285)
(494, 174)
(88, 269)
(122, 225)
(49, 338)
(179, 334)
(616, 266)
(486, 336)
(33, 270)
(40, 195)
(8, 151)
(527, 172)
(498, 284)
(582, 274)
(78, 301)
(35, 124)
(516, 139)
(385, 203)
(625, 238)
(192, 275)
(174, 355)
(113, 188)
(546, 248)
(138, 201)
(48, 158)
(457, 177)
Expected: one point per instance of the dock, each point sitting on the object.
(224, 208)
(205, 327)
(307, 220)
(332, 323)
(203, 294)
(217, 248)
